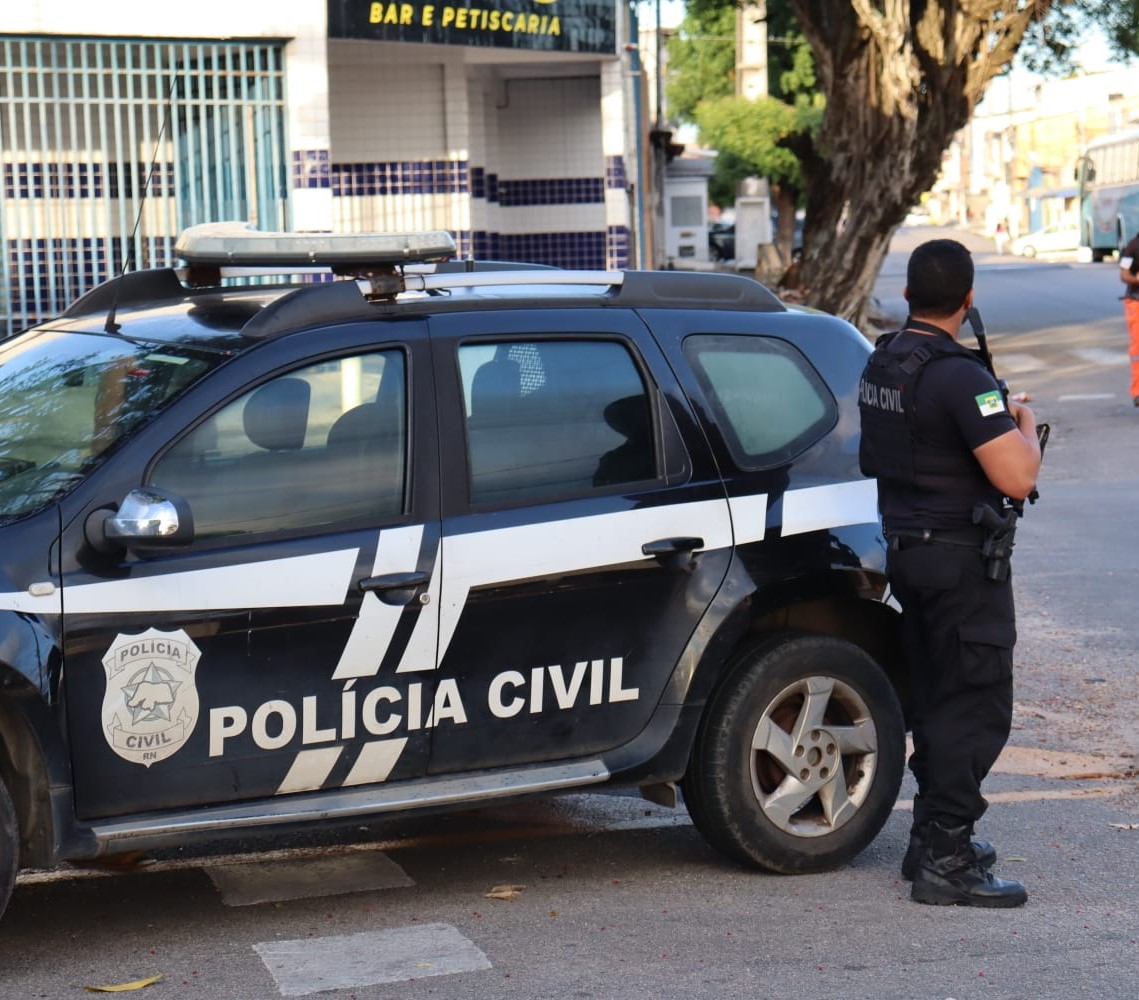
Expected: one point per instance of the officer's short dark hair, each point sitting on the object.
(938, 277)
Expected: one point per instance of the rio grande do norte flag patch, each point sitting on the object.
(990, 403)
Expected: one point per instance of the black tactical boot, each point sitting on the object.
(984, 854)
(948, 874)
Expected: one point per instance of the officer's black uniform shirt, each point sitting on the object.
(950, 414)
(1130, 260)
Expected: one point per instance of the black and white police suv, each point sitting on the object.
(435, 534)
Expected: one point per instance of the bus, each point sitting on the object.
(1108, 175)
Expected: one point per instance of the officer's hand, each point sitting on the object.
(1024, 417)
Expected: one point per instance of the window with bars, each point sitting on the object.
(109, 148)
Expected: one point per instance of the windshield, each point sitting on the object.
(67, 398)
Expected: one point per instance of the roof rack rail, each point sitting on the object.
(345, 301)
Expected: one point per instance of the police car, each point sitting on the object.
(414, 533)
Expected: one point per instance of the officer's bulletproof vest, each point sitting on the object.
(891, 447)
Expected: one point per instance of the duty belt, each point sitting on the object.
(904, 538)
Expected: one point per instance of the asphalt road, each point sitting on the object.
(609, 896)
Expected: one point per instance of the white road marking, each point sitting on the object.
(1019, 363)
(305, 878)
(1035, 795)
(352, 961)
(1080, 397)
(1100, 355)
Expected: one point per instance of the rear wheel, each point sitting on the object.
(9, 846)
(799, 757)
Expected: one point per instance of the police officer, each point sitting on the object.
(1129, 275)
(946, 448)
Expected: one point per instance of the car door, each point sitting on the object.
(290, 647)
(585, 533)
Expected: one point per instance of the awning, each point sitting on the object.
(1051, 192)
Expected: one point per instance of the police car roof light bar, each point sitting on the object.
(220, 244)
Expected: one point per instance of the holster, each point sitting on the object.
(999, 538)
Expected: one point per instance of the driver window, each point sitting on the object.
(316, 448)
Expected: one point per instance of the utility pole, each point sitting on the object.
(751, 50)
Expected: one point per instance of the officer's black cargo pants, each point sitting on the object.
(959, 629)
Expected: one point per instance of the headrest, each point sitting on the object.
(628, 416)
(276, 415)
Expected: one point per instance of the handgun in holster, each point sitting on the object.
(1000, 537)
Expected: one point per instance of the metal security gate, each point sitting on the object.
(110, 148)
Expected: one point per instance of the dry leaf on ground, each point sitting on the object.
(138, 984)
(507, 892)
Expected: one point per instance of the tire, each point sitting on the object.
(765, 785)
(1029, 251)
(9, 846)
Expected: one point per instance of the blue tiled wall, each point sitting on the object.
(401, 178)
(85, 180)
(552, 191)
(576, 251)
(615, 176)
(312, 168)
(591, 250)
(49, 274)
(453, 177)
(617, 250)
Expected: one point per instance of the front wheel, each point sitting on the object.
(9, 846)
(799, 757)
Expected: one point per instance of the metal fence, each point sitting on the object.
(110, 148)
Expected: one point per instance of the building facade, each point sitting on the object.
(509, 123)
(1015, 161)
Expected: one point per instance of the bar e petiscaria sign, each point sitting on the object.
(550, 25)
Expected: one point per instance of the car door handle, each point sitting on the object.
(671, 546)
(393, 581)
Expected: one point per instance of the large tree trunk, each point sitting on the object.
(901, 77)
(784, 198)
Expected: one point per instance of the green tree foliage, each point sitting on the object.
(1050, 43)
(751, 133)
(701, 60)
(899, 78)
(752, 137)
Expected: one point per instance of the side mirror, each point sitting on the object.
(147, 518)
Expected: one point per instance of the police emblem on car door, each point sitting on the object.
(151, 703)
(290, 646)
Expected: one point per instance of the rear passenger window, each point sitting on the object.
(548, 419)
(318, 447)
(769, 401)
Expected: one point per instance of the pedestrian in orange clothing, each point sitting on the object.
(1129, 275)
